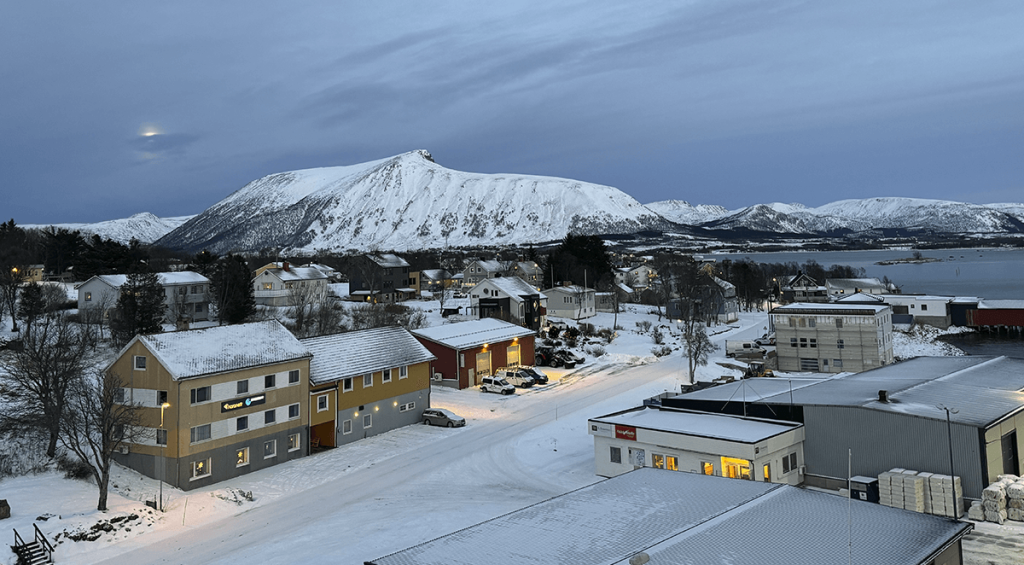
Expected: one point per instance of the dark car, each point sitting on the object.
(538, 376)
(442, 417)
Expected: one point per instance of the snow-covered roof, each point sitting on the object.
(911, 297)
(624, 288)
(515, 287)
(350, 354)
(982, 389)
(571, 289)
(724, 284)
(220, 349)
(473, 333)
(831, 308)
(861, 297)
(489, 265)
(1001, 305)
(388, 260)
(853, 284)
(702, 424)
(182, 277)
(690, 518)
(297, 274)
(434, 274)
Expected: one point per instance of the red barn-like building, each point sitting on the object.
(468, 351)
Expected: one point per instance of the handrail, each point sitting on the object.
(18, 542)
(44, 542)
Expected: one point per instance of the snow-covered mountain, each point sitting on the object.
(145, 227)
(682, 212)
(917, 214)
(407, 202)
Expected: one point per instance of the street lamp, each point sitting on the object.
(949, 435)
(163, 407)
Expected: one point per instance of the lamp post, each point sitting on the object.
(163, 407)
(949, 436)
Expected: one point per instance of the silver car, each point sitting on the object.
(442, 417)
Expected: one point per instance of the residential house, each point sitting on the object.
(800, 288)
(716, 303)
(480, 270)
(365, 383)
(910, 308)
(380, 277)
(215, 403)
(467, 351)
(33, 273)
(573, 301)
(839, 287)
(434, 280)
(187, 294)
(832, 338)
(894, 417)
(754, 449)
(331, 273)
(530, 272)
(660, 517)
(510, 299)
(283, 284)
(638, 278)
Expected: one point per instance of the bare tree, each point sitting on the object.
(303, 299)
(39, 376)
(371, 277)
(697, 347)
(11, 277)
(180, 309)
(99, 420)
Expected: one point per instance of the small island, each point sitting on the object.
(913, 260)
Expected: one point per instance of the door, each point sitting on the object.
(483, 363)
(1010, 460)
(637, 457)
(472, 378)
(513, 355)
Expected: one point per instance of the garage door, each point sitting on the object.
(483, 364)
(513, 356)
(808, 364)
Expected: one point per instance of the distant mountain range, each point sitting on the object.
(409, 202)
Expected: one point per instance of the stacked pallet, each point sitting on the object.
(927, 493)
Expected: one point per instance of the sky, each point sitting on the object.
(108, 109)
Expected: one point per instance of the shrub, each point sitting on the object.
(644, 326)
(588, 329)
(73, 467)
(657, 336)
(553, 332)
(594, 350)
(606, 334)
(661, 350)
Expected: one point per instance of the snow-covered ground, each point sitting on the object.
(385, 493)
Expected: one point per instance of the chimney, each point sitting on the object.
(284, 266)
(883, 396)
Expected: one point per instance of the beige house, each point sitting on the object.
(216, 403)
(832, 338)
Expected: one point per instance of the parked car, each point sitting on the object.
(766, 339)
(570, 357)
(442, 417)
(538, 376)
(496, 384)
(515, 376)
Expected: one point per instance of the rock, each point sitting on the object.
(5, 509)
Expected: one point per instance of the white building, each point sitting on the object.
(574, 302)
(281, 284)
(832, 338)
(511, 299)
(698, 442)
(187, 294)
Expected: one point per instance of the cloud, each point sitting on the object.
(152, 146)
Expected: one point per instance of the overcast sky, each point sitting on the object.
(113, 108)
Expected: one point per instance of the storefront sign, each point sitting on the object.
(242, 403)
(625, 432)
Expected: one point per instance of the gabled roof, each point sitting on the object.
(678, 517)
(515, 287)
(473, 333)
(724, 284)
(297, 274)
(221, 349)
(434, 274)
(804, 278)
(832, 308)
(388, 260)
(489, 265)
(356, 353)
(571, 289)
(861, 297)
(853, 284)
(165, 279)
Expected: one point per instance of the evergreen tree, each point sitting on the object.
(32, 304)
(582, 259)
(140, 308)
(233, 293)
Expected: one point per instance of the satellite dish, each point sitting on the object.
(639, 559)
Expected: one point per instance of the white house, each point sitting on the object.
(480, 270)
(280, 284)
(638, 277)
(187, 294)
(575, 302)
(674, 439)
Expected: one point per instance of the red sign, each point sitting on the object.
(625, 432)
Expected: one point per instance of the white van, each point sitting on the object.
(734, 348)
(496, 384)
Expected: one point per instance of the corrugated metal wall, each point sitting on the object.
(883, 440)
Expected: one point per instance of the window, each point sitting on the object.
(269, 448)
(803, 342)
(767, 473)
(386, 376)
(346, 385)
(792, 322)
(293, 411)
(242, 387)
(270, 381)
(88, 297)
(183, 290)
(293, 377)
(671, 463)
(201, 394)
(707, 468)
(199, 307)
(268, 286)
(161, 437)
(814, 342)
(785, 464)
(293, 442)
(140, 362)
(403, 372)
(924, 307)
(269, 417)
(616, 454)
(839, 322)
(346, 427)
(792, 342)
(242, 424)
(407, 407)
(119, 395)
(367, 380)
(242, 457)
(792, 461)
(200, 469)
(911, 306)
(658, 461)
(811, 322)
(838, 363)
(161, 397)
(200, 433)
(462, 359)
(803, 322)
(367, 421)
(840, 344)
(322, 403)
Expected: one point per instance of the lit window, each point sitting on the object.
(200, 469)
(242, 457)
(88, 297)
(658, 461)
(269, 448)
(671, 463)
(707, 468)
(293, 442)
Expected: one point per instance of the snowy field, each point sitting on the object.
(388, 492)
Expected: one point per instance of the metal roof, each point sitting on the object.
(678, 517)
(829, 308)
(515, 287)
(473, 333)
(702, 424)
(983, 390)
(356, 353)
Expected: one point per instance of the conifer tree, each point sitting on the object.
(140, 308)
